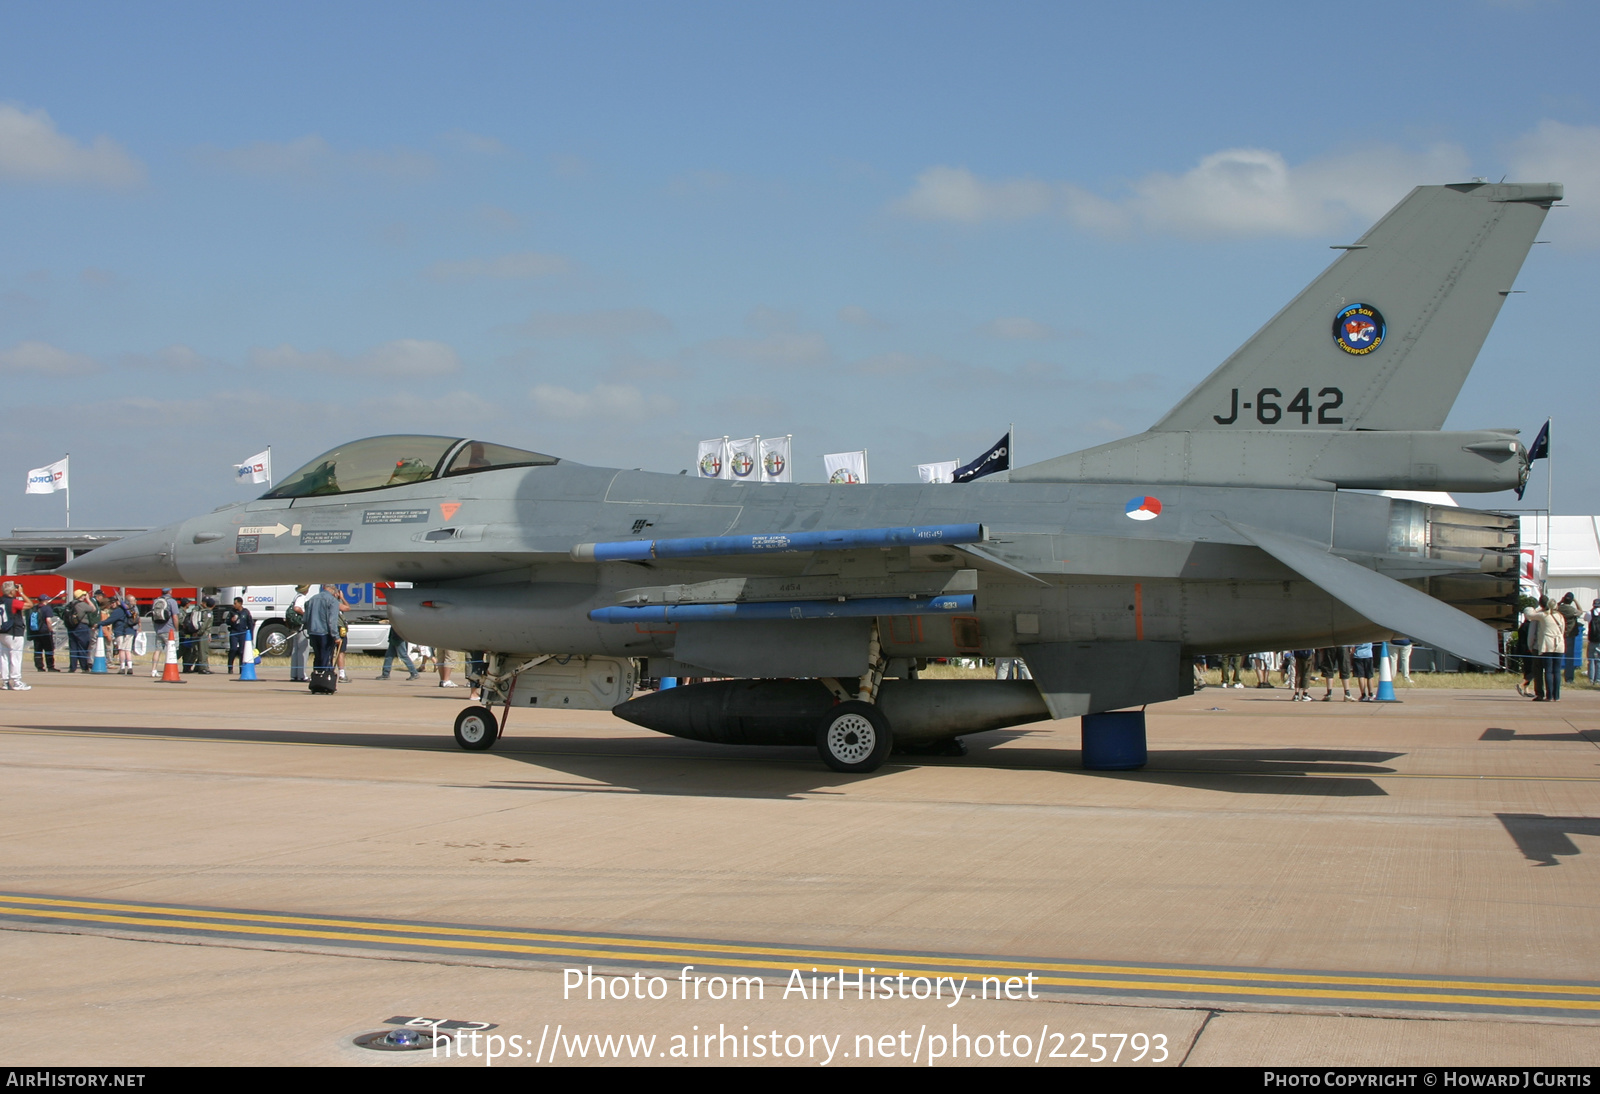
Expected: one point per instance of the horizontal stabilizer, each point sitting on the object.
(1382, 599)
(846, 539)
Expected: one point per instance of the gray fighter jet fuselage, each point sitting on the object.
(1234, 524)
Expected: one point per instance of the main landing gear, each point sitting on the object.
(854, 737)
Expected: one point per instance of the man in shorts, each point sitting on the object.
(1361, 658)
(164, 621)
(1331, 660)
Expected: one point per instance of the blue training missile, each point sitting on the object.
(791, 609)
(645, 550)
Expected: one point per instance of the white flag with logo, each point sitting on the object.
(256, 469)
(937, 472)
(846, 468)
(743, 459)
(47, 480)
(712, 462)
(775, 460)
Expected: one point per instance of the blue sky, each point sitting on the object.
(606, 231)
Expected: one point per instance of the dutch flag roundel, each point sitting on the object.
(1143, 508)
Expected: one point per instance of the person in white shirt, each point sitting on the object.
(299, 642)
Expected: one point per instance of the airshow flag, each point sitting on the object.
(846, 468)
(937, 472)
(743, 459)
(1538, 450)
(712, 463)
(997, 458)
(47, 480)
(257, 469)
(775, 459)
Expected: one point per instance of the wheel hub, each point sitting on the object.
(473, 730)
(851, 738)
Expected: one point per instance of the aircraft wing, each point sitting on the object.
(1381, 599)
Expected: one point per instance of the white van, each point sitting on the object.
(367, 618)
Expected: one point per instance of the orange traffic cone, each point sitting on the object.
(170, 674)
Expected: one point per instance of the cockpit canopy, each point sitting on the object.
(395, 460)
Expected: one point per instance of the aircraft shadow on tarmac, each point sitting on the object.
(654, 764)
(1541, 839)
(1580, 736)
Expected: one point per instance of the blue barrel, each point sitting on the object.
(1114, 741)
(668, 682)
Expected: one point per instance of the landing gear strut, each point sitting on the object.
(476, 728)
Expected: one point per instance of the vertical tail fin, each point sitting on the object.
(1385, 337)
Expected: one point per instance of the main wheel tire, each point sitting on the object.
(476, 729)
(854, 737)
(272, 640)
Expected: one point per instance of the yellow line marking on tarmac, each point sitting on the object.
(1278, 984)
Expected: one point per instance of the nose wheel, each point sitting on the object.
(476, 729)
(854, 737)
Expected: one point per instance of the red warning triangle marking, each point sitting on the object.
(447, 509)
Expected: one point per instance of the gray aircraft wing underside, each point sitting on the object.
(1381, 599)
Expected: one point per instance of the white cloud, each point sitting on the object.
(1251, 191)
(31, 150)
(505, 267)
(618, 402)
(1018, 328)
(410, 357)
(857, 316)
(43, 359)
(476, 143)
(498, 218)
(404, 358)
(1238, 191)
(431, 411)
(777, 349)
(569, 166)
(700, 182)
(613, 323)
(1570, 155)
(174, 358)
(310, 157)
(956, 194)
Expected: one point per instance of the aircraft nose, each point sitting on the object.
(148, 560)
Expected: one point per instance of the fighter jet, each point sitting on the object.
(1245, 519)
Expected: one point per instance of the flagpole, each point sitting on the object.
(67, 459)
(1549, 506)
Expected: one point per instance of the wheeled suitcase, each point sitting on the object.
(324, 681)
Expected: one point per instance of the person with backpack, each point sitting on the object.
(123, 619)
(299, 643)
(81, 617)
(13, 636)
(42, 630)
(194, 636)
(164, 622)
